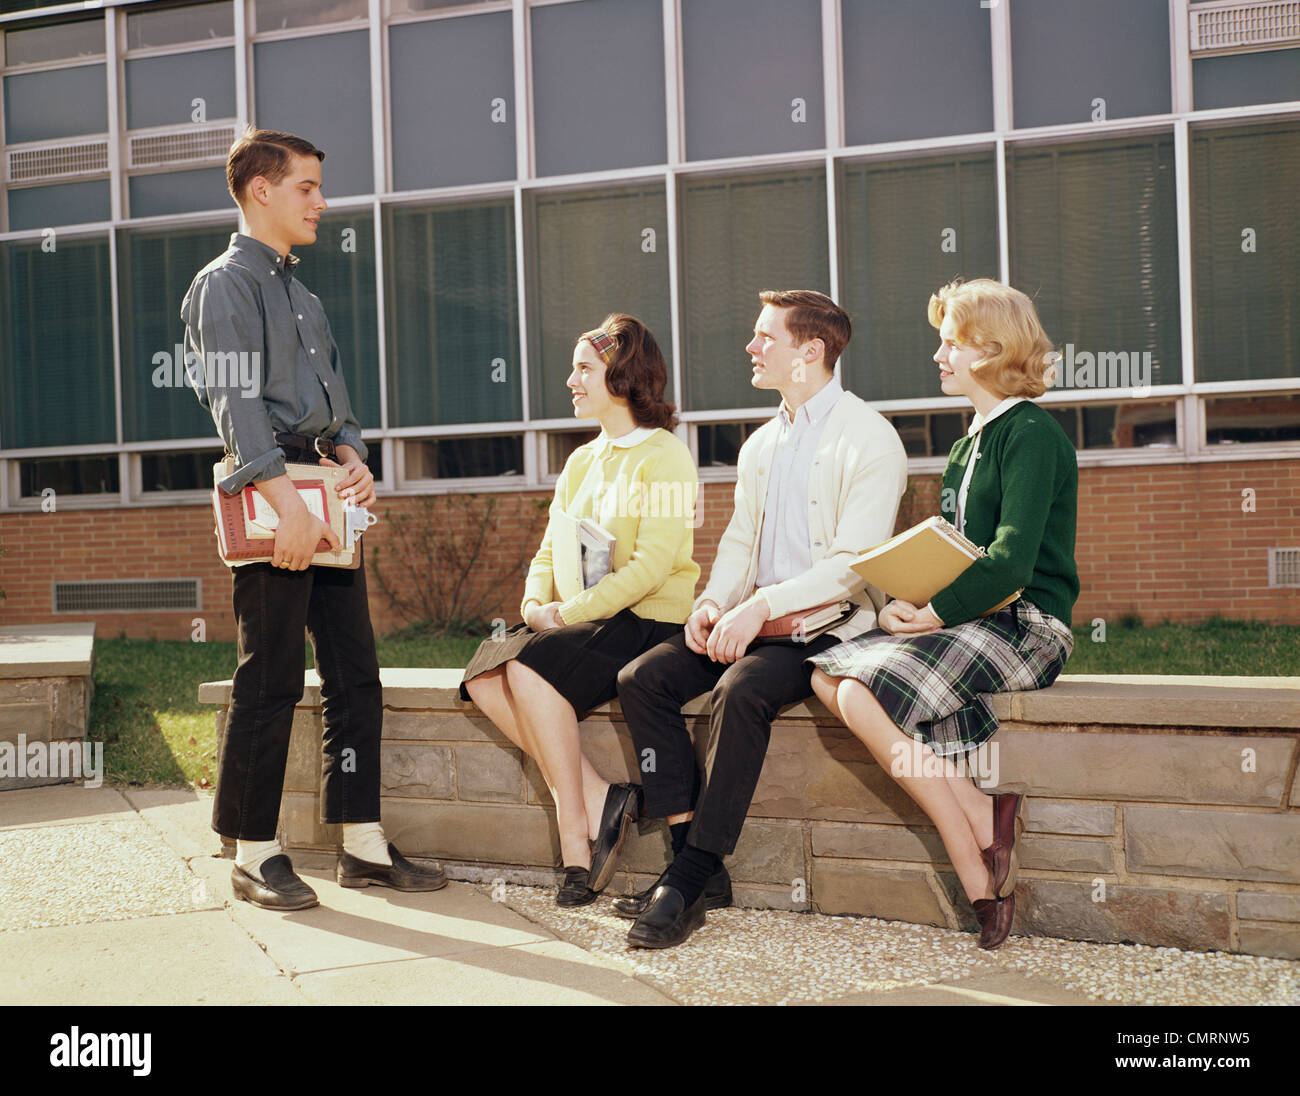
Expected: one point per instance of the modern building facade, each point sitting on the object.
(501, 174)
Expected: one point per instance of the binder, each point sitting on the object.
(921, 561)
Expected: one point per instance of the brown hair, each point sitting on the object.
(264, 152)
(636, 370)
(1003, 324)
(813, 315)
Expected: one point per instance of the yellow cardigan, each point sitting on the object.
(645, 495)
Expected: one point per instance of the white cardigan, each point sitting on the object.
(858, 477)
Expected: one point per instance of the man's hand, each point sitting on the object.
(359, 483)
(905, 619)
(736, 630)
(699, 624)
(298, 532)
(542, 618)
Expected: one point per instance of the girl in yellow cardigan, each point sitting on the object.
(638, 482)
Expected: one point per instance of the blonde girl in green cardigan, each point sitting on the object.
(637, 480)
(916, 690)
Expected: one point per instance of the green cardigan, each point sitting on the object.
(1021, 507)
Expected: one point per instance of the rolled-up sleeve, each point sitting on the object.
(225, 329)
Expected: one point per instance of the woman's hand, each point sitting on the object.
(904, 618)
(542, 618)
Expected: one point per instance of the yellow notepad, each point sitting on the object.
(918, 563)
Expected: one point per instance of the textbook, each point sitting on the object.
(918, 563)
(246, 521)
(582, 553)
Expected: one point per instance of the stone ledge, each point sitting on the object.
(47, 650)
(1131, 700)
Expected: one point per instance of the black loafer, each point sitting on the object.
(622, 808)
(667, 921)
(717, 896)
(401, 875)
(278, 889)
(574, 891)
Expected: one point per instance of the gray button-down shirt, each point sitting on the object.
(262, 359)
(784, 549)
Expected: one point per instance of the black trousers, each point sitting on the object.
(272, 607)
(747, 694)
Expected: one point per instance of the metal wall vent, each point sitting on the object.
(187, 146)
(1284, 566)
(1234, 27)
(128, 595)
(58, 161)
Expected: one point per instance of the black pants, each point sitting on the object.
(747, 694)
(272, 607)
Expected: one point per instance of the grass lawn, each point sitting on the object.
(155, 731)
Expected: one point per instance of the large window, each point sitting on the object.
(909, 226)
(453, 321)
(741, 235)
(752, 75)
(56, 386)
(598, 100)
(1246, 252)
(1094, 242)
(913, 70)
(453, 101)
(592, 253)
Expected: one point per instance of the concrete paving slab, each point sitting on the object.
(192, 959)
(93, 871)
(352, 928)
(182, 816)
(60, 805)
(1010, 987)
(549, 973)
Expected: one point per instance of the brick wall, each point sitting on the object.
(1160, 541)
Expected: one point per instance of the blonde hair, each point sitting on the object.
(1018, 359)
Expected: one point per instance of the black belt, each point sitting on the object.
(322, 447)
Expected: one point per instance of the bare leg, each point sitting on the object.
(864, 716)
(491, 692)
(550, 722)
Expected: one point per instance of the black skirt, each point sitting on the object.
(580, 661)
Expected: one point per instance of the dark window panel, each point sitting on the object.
(69, 476)
(59, 204)
(589, 257)
(1065, 56)
(334, 115)
(56, 344)
(465, 458)
(1094, 243)
(186, 470)
(284, 14)
(561, 446)
(1237, 420)
(173, 26)
(607, 111)
(160, 91)
(1244, 79)
(741, 235)
(908, 227)
(452, 315)
(744, 63)
(453, 101)
(719, 442)
(1246, 252)
(178, 192)
(59, 42)
(893, 88)
(44, 106)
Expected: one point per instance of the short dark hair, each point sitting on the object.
(264, 152)
(636, 371)
(813, 315)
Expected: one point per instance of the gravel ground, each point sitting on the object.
(94, 871)
(745, 956)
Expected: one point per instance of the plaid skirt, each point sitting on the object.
(937, 687)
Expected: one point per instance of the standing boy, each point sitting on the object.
(247, 303)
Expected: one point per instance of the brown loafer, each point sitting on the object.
(1000, 857)
(995, 916)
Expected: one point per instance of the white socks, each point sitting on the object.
(249, 855)
(366, 841)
